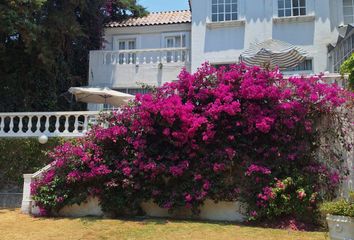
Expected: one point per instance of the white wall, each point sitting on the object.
(257, 24)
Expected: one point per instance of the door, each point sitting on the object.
(128, 58)
(175, 42)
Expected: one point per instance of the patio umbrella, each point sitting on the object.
(100, 95)
(273, 53)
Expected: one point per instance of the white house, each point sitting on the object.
(153, 49)
(150, 50)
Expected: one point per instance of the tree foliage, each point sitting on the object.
(348, 68)
(44, 47)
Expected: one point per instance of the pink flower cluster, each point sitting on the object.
(201, 137)
(257, 169)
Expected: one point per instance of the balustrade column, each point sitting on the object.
(38, 124)
(76, 124)
(104, 58)
(57, 124)
(66, 125)
(2, 124)
(11, 125)
(29, 125)
(47, 124)
(20, 124)
(85, 124)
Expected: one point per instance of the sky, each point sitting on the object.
(164, 5)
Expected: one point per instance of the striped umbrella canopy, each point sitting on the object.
(272, 53)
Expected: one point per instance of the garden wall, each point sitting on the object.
(221, 211)
(10, 200)
(349, 156)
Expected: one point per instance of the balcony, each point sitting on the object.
(128, 68)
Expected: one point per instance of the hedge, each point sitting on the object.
(20, 156)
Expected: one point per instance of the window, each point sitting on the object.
(224, 10)
(134, 91)
(220, 65)
(304, 66)
(348, 11)
(178, 41)
(107, 106)
(128, 44)
(288, 8)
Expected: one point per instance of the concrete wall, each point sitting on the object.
(222, 211)
(258, 21)
(10, 200)
(348, 185)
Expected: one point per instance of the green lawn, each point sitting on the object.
(16, 226)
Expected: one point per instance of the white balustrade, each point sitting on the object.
(51, 124)
(146, 56)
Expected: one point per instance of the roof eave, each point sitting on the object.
(147, 25)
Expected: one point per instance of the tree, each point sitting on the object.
(44, 47)
(348, 68)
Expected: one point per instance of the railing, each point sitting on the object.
(51, 124)
(342, 52)
(146, 56)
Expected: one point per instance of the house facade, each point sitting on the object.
(153, 49)
(150, 50)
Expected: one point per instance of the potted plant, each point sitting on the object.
(340, 217)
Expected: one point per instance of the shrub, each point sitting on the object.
(348, 68)
(19, 156)
(341, 207)
(241, 134)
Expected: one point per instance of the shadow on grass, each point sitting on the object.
(144, 220)
(141, 220)
(6, 210)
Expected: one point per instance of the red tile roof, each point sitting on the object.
(156, 18)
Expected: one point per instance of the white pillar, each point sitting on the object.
(26, 199)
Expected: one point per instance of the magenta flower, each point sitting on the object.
(188, 198)
(127, 171)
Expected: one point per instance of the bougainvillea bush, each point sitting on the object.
(243, 134)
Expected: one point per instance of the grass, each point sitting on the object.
(17, 226)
